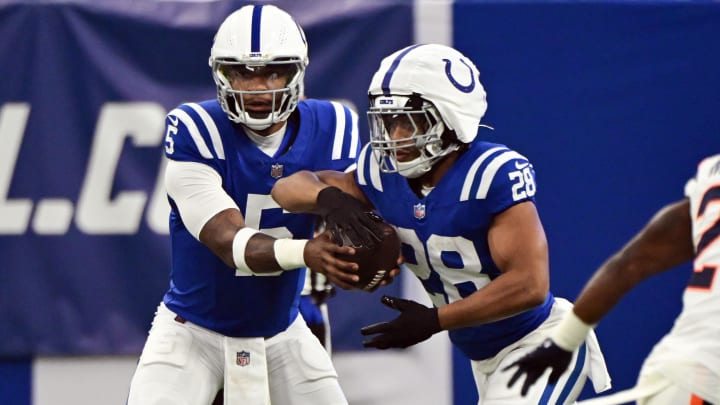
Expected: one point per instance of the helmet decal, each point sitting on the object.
(465, 89)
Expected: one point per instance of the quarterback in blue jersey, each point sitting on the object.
(465, 212)
(230, 317)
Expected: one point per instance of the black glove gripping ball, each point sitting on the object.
(375, 262)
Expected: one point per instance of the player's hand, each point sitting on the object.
(415, 324)
(390, 277)
(320, 255)
(346, 215)
(547, 355)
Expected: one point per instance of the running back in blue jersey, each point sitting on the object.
(444, 235)
(320, 135)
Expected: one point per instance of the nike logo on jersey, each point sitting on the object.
(173, 120)
(521, 166)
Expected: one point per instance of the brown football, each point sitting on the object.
(375, 263)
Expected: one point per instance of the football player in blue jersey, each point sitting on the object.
(229, 319)
(465, 212)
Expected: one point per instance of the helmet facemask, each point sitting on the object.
(418, 117)
(284, 100)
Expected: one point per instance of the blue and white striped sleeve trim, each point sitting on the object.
(211, 128)
(207, 124)
(366, 163)
(496, 160)
(354, 136)
(344, 117)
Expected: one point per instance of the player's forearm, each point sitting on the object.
(508, 295)
(665, 242)
(298, 192)
(265, 254)
(605, 289)
(248, 250)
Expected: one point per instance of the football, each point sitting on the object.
(376, 262)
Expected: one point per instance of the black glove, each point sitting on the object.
(415, 324)
(345, 215)
(548, 354)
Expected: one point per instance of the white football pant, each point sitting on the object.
(587, 361)
(185, 364)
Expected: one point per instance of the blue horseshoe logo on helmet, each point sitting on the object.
(464, 89)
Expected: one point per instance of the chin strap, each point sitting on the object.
(416, 167)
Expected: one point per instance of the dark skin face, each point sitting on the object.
(401, 127)
(261, 78)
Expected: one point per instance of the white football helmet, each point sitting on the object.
(255, 37)
(438, 89)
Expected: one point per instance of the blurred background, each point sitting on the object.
(614, 103)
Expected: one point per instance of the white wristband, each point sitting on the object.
(289, 253)
(238, 249)
(570, 333)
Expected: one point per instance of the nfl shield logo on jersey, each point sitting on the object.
(243, 358)
(419, 210)
(276, 171)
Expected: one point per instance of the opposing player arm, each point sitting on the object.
(665, 242)
(519, 248)
(213, 218)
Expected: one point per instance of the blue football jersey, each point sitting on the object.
(320, 135)
(444, 235)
